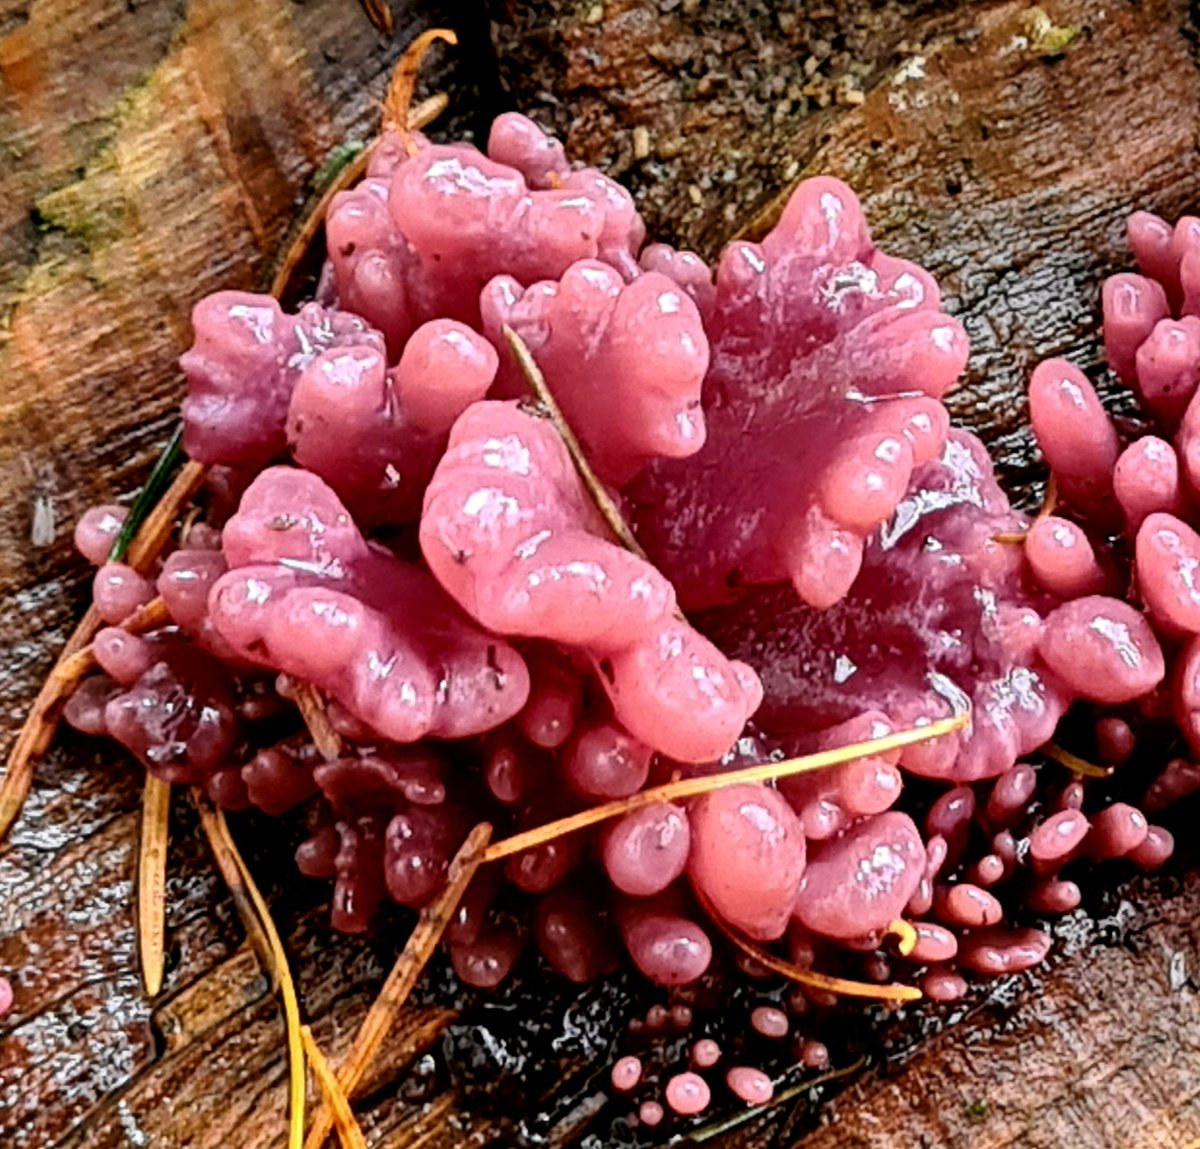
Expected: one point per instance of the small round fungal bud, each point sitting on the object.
(966, 905)
(1056, 841)
(688, 1094)
(605, 762)
(97, 530)
(1115, 740)
(814, 1054)
(657, 1017)
(934, 944)
(750, 1085)
(1071, 797)
(769, 1021)
(121, 655)
(1062, 558)
(118, 590)
(1010, 795)
(1004, 846)
(6, 996)
(626, 1074)
(1054, 896)
(989, 870)
(650, 1113)
(747, 857)
(668, 948)
(1116, 830)
(86, 709)
(645, 851)
(943, 985)
(681, 1018)
(1155, 850)
(950, 818)
(705, 1053)
(487, 961)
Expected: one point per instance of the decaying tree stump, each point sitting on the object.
(157, 151)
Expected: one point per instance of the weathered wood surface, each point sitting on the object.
(157, 151)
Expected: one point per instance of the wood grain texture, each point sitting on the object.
(159, 150)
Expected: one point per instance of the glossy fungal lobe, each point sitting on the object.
(434, 565)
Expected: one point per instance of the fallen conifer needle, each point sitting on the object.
(152, 881)
(691, 787)
(597, 491)
(345, 1124)
(1074, 763)
(408, 968)
(231, 863)
(801, 974)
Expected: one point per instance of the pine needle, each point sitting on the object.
(800, 974)
(400, 982)
(1048, 507)
(1074, 763)
(154, 534)
(720, 1128)
(379, 12)
(152, 881)
(37, 733)
(397, 104)
(597, 491)
(905, 935)
(345, 1124)
(148, 496)
(223, 852)
(226, 851)
(311, 705)
(691, 787)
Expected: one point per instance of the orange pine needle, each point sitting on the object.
(312, 709)
(40, 724)
(691, 787)
(398, 101)
(379, 12)
(598, 492)
(1074, 763)
(222, 852)
(421, 943)
(152, 881)
(905, 935)
(808, 977)
(345, 1124)
(1048, 507)
(229, 860)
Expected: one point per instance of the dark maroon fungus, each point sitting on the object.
(392, 520)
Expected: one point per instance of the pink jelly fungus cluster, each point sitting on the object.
(393, 520)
